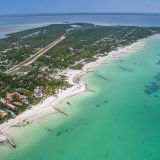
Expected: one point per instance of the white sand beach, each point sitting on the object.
(47, 106)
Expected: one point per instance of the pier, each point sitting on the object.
(89, 90)
(58, 110)
(10, 141)
(5, 138)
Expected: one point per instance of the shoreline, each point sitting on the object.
(73, 76)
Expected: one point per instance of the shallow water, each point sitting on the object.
(118, 122)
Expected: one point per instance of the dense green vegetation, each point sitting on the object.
(86, 42)
(78, 66)
(83, 43)
(19, 46)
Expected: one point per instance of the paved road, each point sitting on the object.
(34, 57)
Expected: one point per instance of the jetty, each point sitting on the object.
(101, 76)
(87, 89)
(5, 138)
(58, 110)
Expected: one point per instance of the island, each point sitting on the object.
(33, 62)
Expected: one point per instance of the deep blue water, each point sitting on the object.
(13, 23)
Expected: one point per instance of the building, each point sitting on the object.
(9, 102)
(38, 92)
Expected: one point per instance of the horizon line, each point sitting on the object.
(82, 13)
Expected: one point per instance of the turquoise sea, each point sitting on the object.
(120, 121)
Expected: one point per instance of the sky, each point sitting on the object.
(78, 6)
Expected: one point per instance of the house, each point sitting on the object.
(17, 103)
(23, 98)
(38, 91)
(71, 49)
(10, 106)
(9, 102)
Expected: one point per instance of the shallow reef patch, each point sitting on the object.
(125, 69)
(153, 86)
(64, 131)
(102, 103)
